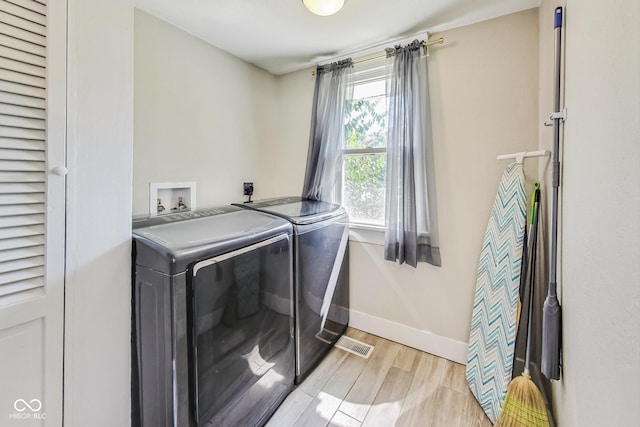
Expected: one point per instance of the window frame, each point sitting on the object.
(375, 70)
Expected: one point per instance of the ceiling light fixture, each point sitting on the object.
(323, 7)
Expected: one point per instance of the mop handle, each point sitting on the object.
(553, 259)
(533, 248)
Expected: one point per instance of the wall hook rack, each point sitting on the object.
(562, 115)
(519, 157)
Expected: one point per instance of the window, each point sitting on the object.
(364, 180)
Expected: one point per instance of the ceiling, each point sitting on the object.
(282, 36)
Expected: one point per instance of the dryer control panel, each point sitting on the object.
(148, 221)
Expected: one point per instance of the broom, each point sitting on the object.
(525, 258)
(523, 405)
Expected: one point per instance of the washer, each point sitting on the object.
(213, 318)
(321, 274)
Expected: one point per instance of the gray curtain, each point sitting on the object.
(323, 177)
(410, 216)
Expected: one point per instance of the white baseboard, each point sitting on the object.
(440, 346)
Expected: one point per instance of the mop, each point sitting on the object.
(551, 321)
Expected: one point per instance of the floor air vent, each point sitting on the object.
(354, 346)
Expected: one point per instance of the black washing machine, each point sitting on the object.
(213, 318)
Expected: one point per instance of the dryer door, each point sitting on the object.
(241, 312)
(322, 290)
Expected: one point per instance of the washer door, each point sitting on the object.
(241, 314)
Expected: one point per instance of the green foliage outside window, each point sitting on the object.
(364, 174)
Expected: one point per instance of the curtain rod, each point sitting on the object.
(424, 43)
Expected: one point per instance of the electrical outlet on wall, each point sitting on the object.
(248, 188)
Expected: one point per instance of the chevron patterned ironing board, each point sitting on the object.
(493, 322)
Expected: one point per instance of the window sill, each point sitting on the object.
(366, 234)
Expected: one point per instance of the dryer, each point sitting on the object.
(213, 318)
(321, 274)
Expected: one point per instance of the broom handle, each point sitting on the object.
(553, 259)
(532, 267)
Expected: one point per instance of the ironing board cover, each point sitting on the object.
(493, 322)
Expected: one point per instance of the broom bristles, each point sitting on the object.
(551, 326)
(523, 405)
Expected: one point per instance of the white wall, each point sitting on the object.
(600, 281)
(98, 282)
(483, 85)
(295, 96)
(200, 115)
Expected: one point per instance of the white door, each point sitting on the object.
(32, 210)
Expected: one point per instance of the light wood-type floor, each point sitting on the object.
(396, 386)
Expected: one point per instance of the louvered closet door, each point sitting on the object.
(32, 141)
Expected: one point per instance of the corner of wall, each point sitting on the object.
(97, 377)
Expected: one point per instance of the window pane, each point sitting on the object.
(370, 89)
(366, 124)
(364, 187)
